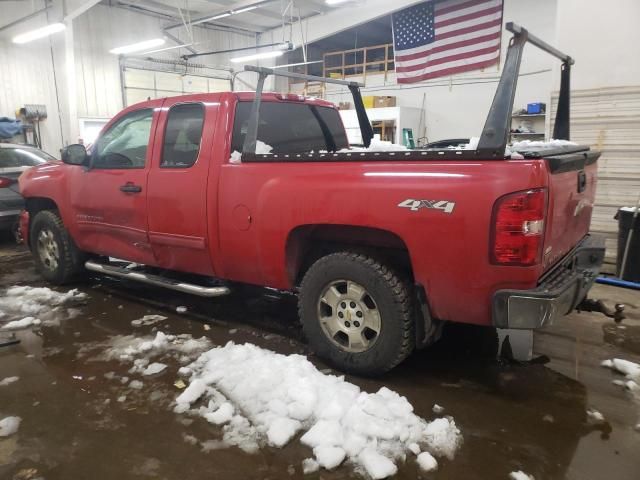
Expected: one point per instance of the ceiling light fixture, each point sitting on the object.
(138, 47)
(182, 45)
(39, 33)
(245, 9)
(258, 56)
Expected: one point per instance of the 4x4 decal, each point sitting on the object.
(414, 205)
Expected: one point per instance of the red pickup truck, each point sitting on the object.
(382, 247)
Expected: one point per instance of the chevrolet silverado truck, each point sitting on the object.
(381, 247)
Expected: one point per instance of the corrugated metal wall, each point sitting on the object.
(608, 119)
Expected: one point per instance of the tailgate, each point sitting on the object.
(572, 188)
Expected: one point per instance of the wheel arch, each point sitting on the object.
(33, 205)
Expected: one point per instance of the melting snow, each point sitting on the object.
(629, 369)
(427, 462)
(266, 397)
(8, 381)
(20, 324)
(154, 368)
(9, 426)
(148, 320)
(24, 300)
(236, 157)
(594, 417)
(520, 475)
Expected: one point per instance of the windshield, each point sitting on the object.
(292, 127)
(23, 156)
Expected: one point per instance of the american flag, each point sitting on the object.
(434, 39)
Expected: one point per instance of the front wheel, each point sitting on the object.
(356, 313)
(56, 256)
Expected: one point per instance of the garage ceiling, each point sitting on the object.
(268, 14)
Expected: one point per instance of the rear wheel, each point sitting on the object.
(56, 256)
(356, 313)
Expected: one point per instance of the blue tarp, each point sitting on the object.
(9, 127)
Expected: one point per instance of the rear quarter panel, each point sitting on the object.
(449, 252)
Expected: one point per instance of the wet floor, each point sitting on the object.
(531, 417)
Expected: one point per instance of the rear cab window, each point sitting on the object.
(291, 128)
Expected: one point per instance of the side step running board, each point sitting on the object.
(157, 280)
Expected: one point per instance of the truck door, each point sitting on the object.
(177, 194)
(109, 200)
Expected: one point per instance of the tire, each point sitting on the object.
(330, 288)
(56, 256)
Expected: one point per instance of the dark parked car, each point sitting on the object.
(15, 159)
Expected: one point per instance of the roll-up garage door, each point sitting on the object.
(608, 119)
(142, 80)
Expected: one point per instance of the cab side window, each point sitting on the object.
(182, 135)
(125, 144)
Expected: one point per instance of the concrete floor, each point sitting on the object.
(528, 417)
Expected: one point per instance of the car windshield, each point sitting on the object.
(23, 156)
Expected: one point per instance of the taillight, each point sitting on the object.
(5, 182)
(518, 228)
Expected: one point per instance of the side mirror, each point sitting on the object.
(74, 154)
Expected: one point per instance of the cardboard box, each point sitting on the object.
(383, 102)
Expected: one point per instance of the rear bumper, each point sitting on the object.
(558, 292)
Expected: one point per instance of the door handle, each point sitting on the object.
(130, 188)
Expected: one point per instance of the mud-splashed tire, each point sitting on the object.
(55, 254)
(374, 287)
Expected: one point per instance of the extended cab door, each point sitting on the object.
(177, 193)
(109, 200)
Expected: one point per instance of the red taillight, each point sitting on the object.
(5, 182)
(518, 228)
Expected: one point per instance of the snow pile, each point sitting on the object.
(41, 305)
(236, 157)
(529, 144)
(376, 145)
(594, 417)
(8, 381)
(520, 475)
(262, 148)
(629, 369)
(269, 398)
(9, 426)
(20, 324)
(154, 368)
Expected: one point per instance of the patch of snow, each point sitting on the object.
(236, 157)
(624, 209)
(8, 381)
(548, 418)
(20, 324)
(376, 145)
(223, 414)
(189, 439)
(473, 143)
(594, 417)
(262, 148)
(122, 398)
(520, 475)
(148, 320)
(426, 462)
(9, 426)
(437, 409)
(276, 396)
(24, 300)
(629, 369)
(181, 309)
(309, 465)
(538, 144)
(154, 368)
(376, 464)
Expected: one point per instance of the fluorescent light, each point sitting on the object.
(182, 45)
(217, 17)
(39, 33)
(245, 9)
(137, 47)
(258, 56)
(335, 2)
